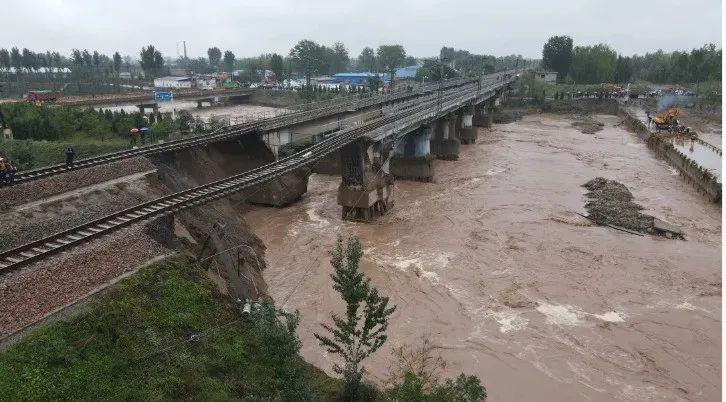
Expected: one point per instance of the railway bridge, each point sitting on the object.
(378, 138)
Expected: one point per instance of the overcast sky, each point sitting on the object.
(249, 28)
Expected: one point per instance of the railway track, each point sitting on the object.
(230, 132)
(426, 108)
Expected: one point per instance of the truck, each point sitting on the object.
(41, 96)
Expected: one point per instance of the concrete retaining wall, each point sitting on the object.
(704, 181)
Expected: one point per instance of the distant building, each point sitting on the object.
(407, 72)
(205, 81)
(548, 77)
(124, 75)
(173, 82)
(179, 72)
(355, 79)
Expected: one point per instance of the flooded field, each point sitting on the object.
(701, 153)
(495, 266)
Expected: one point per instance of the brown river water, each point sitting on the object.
(494, 266)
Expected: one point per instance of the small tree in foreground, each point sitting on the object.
(359, 333)
(415, 376)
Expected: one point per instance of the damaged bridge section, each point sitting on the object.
(366, 188)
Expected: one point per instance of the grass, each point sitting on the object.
(135, 345)
(28, 154)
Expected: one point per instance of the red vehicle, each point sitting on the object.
(43, 96)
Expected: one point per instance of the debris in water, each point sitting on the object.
(611, 204)
(588, 125)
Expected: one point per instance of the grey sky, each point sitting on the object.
(249, 28)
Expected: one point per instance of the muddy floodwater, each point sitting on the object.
(495, 266)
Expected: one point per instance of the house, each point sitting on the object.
(173, 82)
(205, 81)
(548, 77)
(124, 75)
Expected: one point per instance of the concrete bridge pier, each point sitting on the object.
(412, 159)
(468, 132)
(285, 189)
(366, 188)
(482, 116)
(276, 139)
(445, 145)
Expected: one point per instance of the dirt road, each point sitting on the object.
(493, 263)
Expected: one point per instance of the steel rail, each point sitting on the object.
(228, 132)
(421, 110)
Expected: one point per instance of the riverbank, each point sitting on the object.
(164, 333)
(493, 262)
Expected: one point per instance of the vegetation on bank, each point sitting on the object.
(42, 133)
(699, 69)
(165, 333)
(168, 333)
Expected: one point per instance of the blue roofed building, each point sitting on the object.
(407, 72)
(355, 79)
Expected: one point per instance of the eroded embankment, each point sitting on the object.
(216, 229)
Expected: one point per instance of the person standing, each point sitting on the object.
(648, 117)
(3, 171)
(70, 154)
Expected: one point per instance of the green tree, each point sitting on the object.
(117, 63)
(415, 375)
(593, 64)
(391, 57)
(374, 82)
(623, 70)
(340, 58)
(277, 66)
(215, 56)
(152, 62)
(358, 334)
(229, 60)
(367, 60)
(432, 70)
(5, 59)
(307, 56)
(557, 55)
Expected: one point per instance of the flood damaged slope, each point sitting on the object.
(494, 262)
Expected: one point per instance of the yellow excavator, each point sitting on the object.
(667, 120)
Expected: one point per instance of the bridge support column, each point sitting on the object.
(482, 116)
(468, 133)
(412, 159)
(445, 145)
(285, 189)
(366, 189)
(275, 139)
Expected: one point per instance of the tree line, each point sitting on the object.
(601, 63)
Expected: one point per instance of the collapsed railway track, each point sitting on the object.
(234, 131)
(418, 110)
